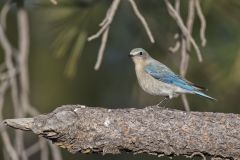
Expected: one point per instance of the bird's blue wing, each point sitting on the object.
(164, 74)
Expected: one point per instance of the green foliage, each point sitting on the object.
(71, 66)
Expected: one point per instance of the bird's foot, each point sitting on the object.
(163, 103)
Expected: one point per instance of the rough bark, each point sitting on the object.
(150, 130)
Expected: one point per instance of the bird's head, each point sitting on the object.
(138, 55)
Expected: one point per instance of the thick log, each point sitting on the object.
(151, 130)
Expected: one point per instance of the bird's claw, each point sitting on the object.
(163, 103)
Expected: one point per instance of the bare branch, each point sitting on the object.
(5, 76)
(186, 40)
(175, 48)
(105, 26)
(198, 154)
(183, 68)
(9, 148)
(6, 45)
(142, 19)
(151, 130)
(183, 28)
(203, 23)
(23, 31)
(19, 91)
(190, 21)
(55, 2)
(44, 150)
(185, 102)
(4, 41)
(177, 6)
(104, 21)
(41, 145)
(13, 83)
(3, 14)
(33, 149)
(107, 20)
(102, 49)
(5, 138)
(3, 88)
(184, 43)
(55, 152)
(184, 58)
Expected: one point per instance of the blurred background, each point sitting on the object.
(61, 61)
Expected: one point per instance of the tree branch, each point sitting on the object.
(183, 28)
(106, 23)
(142, 19)
(151, 130)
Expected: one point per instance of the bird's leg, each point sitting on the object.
(163, 102)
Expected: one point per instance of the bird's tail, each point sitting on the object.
(204, 95)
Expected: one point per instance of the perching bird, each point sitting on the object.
(157, 79)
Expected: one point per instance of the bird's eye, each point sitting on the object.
(140, 53)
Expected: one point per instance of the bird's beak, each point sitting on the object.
(130, 55)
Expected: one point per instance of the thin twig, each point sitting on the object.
(23, 39)
(142, 19)
(23, 31)
(4, 42)
(44, 150)
(175, 48)
(203, 23)
(38, 147)
(6, 76)
(3, 88)
(184, 59)
(6, 45)
(177, 6)
(185, 102)
(9, 148)
(107, 20)
(55, 2)
(190, 21)
(33, 149)
(10, 66)
(3, 14)
(184, 30)
(105, 26)
(198, 154)
(20, 107)
(101, 49)
(187, 39)
(5, 155)
(55, 151)
(104, 21)
(5, 138)
(13, 83)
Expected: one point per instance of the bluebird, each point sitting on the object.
(157, 79)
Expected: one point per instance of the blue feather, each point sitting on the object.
(204, 95)
(164, 74)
